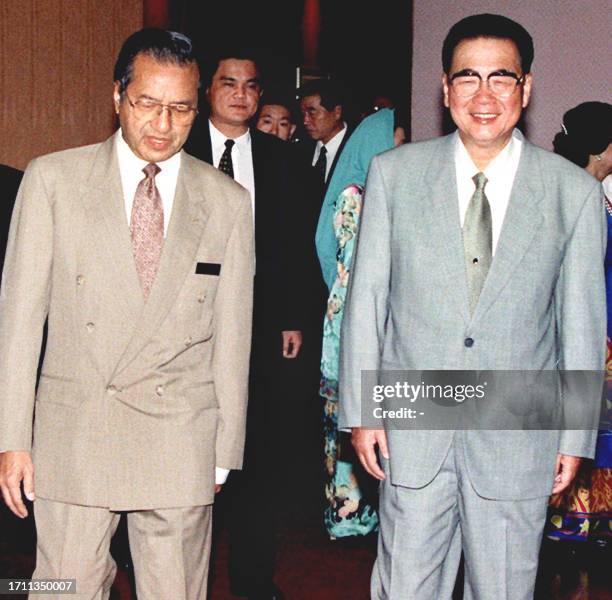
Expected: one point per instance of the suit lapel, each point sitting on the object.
(102, 197)
(187, 221)
(444, 223)
(345, 139)
(260, 182)
(522, 220)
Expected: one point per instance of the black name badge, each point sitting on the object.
(208, 268)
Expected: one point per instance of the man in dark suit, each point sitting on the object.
(322, 105)
(259, 162)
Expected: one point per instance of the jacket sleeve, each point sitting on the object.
(580, 307)
(232, 324)
(24, 300)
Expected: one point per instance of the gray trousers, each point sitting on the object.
(422, 533)
(170, 549)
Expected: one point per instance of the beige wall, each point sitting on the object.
(56, 71)
(573, 57)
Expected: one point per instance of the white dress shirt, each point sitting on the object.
(500, 174)
(242, 158)
(332, 149)
(130, 170)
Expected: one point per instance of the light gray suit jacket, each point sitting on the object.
(542, 305)
(137, 401)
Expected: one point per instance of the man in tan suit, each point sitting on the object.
(147, 286)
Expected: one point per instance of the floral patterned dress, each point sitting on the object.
(347, 514)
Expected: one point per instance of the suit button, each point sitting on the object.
(111, 390)
(469, 342)
(80, 279)
(90, 327)
(159, 390)
(188, 341)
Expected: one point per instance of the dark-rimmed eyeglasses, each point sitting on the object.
(144, 108)
(501, 83)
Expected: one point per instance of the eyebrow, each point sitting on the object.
(147, 97)
(472, 72)
(229, 78)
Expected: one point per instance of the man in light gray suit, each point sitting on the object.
(477, 251)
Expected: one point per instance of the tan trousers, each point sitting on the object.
(170, 549)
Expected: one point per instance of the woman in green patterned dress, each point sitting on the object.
(348, 513)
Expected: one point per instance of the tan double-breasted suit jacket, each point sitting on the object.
(137, 402)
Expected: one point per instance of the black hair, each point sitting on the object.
(210, 65)
(330, 92)
(400, 120)
(162, 45)
(280, 97)
(586, 130)
(488, 26)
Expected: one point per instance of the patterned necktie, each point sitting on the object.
(147, 228)
(477, 240)
(225, 164)
(321, 164)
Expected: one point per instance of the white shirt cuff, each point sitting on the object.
(221, 475)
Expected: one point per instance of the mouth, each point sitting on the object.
(158, 143)
(484, 117)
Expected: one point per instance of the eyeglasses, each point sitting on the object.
(146, 108)
(502, 83)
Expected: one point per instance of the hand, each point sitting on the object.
(16, 467)
(292, 342)
(364, 441)
(218, 487)
(565, 471)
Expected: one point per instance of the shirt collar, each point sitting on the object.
(498, 166)
(335, 142)
(217, 139)
(132, 163)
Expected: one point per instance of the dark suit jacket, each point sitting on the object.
(305, 151)
(276, 278)
(9, 184)
(314, 292)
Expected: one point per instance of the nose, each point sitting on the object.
(484, 92)
(274, 129)
(163, 121)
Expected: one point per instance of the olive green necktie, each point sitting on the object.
(477, 240)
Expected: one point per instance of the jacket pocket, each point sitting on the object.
(201, 395)
(55, 389)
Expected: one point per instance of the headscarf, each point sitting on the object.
(371, 137)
